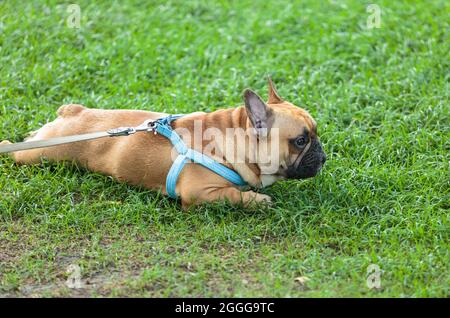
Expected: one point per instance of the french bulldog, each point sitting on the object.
(292, 148)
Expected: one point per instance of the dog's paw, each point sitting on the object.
(260, 200)
(4, 143)
(264, 198)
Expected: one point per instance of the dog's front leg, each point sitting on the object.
(230, 194)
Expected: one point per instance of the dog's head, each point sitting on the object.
(299, 149)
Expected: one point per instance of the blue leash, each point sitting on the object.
(162, 126)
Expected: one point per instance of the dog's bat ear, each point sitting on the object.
(260, 115)
(274, 98)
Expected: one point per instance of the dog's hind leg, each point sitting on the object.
(23, 157)
(31, 156)
(49, 130)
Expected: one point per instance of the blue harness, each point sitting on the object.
(162, 126)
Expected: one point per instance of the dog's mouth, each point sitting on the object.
(309, 164)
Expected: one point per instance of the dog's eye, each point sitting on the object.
(300, 141)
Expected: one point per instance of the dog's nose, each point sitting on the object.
(324, 158)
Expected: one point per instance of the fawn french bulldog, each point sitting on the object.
(291, 147)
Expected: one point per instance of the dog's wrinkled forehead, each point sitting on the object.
(294, 120)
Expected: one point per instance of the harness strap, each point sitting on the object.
(163, 127)
(172, 176)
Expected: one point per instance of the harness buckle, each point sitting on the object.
(152, 125)
(121, 131)
(148, 125)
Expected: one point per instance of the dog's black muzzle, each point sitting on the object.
(310, 164)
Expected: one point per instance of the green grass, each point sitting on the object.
(380, 96)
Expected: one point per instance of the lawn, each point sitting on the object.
(381, 100)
